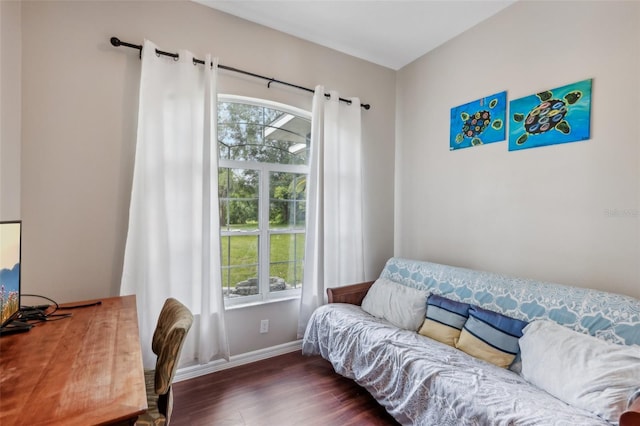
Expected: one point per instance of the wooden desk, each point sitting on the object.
(83, 370)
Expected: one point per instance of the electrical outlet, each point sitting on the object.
(264, 326)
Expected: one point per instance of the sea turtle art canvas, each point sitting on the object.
(551, 117)
(478, 122)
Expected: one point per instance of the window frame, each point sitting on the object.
(264, 231)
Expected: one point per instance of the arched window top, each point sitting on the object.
(263, 131)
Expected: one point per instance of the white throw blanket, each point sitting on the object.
(420, 381)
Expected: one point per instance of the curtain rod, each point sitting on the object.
(115, 41)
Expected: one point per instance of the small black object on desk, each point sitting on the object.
(15, 327)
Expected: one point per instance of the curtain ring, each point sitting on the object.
(271, 80)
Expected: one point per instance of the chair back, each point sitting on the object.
(173, 325)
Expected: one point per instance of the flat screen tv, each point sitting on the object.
(10, 256)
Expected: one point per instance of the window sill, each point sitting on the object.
(260, 303)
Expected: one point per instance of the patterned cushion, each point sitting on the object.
(152, 417)
(173, 325)
(445, 319)
(491, 336)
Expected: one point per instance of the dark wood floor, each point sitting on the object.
(290, 389)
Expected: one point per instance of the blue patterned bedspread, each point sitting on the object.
(608, 316)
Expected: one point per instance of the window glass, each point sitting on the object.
(257, 133)
(238, 196)
(287, 259)
(262, 179)
(239, 265)
(287, 192)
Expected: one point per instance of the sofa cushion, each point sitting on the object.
(491, 336)
(444, 319)
(402, 306)
(579, 369)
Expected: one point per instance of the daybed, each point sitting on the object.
(577, 359)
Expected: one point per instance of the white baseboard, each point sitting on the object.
(193, 371)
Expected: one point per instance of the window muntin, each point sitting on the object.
(263, 156)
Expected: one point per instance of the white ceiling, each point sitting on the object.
(391, 33)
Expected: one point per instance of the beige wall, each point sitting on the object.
(543, 213)
(566, 213)
(10, 65)
(79, 108)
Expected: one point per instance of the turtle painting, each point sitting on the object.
(478, 122)
(551, 117)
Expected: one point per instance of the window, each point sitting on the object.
(262, 176)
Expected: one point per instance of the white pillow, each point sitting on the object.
(402, 306)
(579, 369)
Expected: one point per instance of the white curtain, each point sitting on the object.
(334, 249)
(173, 242)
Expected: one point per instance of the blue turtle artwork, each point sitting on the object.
(551, 117)
(478, 122)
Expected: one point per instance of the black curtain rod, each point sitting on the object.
(115, 41)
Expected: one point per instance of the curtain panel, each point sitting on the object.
(173, 241)
(334, 249)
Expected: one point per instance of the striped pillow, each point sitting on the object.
(491, 336)
(444, 319)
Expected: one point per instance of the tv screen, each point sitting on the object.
(10, 240)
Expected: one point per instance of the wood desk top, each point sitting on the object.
(82, 370)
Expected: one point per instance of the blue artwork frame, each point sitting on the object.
(551, 117)
(479, 122)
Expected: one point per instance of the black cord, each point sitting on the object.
(38, 313)
(84, 305)
(40, 307)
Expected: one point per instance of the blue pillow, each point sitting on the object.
(444, 319)
(491, 336)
